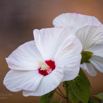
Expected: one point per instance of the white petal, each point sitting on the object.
(90, 37)
(19, 80)
(25, 57)
(89, 68)
(48, 83)
(48, 40)
(71, 73)
(75, 21)
(69, 54)
(97, 62)
(97, 50)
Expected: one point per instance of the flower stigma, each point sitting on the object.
(46, 67)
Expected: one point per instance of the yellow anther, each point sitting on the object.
(39, 61)
(43, 66)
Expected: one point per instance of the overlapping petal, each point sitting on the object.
(97, 62)
(17, 80)
(71, 72)
(49, 40)
(68, 54)
(90, 37)
(75, 21)
(48, 83)
(25, 57)
(97, 50)
(89, 68)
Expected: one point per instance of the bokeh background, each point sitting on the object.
(18, 18)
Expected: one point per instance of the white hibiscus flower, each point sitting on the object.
(90, 32)
(39, 66)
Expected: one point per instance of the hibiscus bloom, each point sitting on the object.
(39, 66)
(90, 33)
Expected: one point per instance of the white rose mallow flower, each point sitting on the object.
(39, 66)
(89, 31)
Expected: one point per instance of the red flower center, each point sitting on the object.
(46, 67)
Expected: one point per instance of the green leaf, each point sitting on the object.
(47, 97)
(86, 55)
(82, 74)
(91, 100)
(72, 97)
(100, 96)
(66, 85)
(80, 89)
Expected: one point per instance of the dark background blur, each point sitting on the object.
(18, 18)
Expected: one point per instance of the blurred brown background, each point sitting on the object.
(18, 18)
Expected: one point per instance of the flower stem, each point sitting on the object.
(60, 95)
(67, 95)
(61, 92)
(66, 87)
